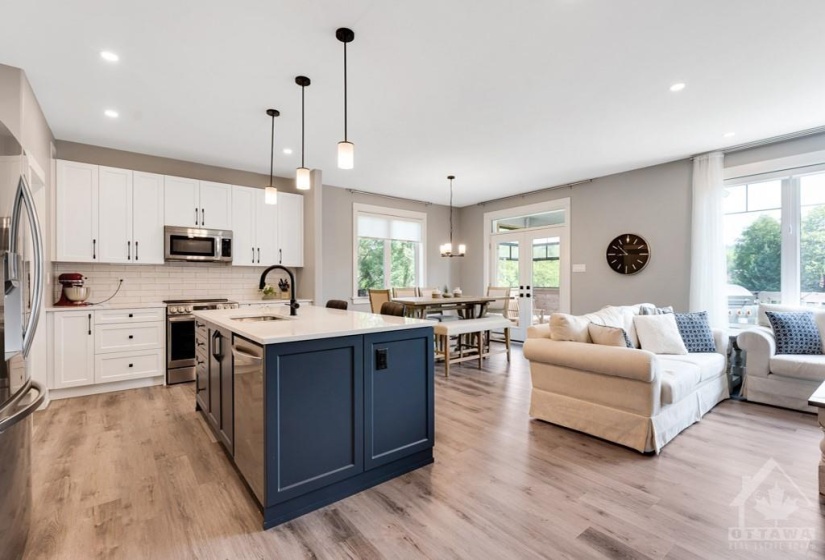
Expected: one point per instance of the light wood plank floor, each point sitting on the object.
(137, 474)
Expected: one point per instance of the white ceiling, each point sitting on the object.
(508, 96)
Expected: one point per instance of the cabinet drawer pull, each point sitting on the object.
(131, 315)
(130, 365)
(131, 336)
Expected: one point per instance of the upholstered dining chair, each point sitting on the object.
(337, 304)
(392, 308)
(404, 292)
(427, 292)
(499, 306)
(378, 298)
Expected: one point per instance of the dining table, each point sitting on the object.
(466, 307)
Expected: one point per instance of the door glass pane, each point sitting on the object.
(812, 239)
(753, 243)
(370, 265)
(545, 278)
(507, 269)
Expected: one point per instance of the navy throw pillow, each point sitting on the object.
(695, 331)
(795, 332)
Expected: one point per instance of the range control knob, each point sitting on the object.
(174, 310)
(188, 309)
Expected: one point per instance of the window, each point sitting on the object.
(389, 248)
(775, 241)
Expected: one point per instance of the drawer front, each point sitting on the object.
(112, 316)
(128, 338)
(117, 367)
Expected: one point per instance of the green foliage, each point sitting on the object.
(755, 261)
(402, 264)
(545, 273)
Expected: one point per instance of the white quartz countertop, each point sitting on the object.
(311, 323)
(52, 308)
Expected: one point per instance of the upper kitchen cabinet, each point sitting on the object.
(254, 228)
(108, 215)
(290, 229)
(76, 217)
(193, 203)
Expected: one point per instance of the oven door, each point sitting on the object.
(180, 341)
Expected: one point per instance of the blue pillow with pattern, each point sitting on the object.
(795, 332)
(695, 331)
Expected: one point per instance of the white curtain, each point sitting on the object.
(708, 267)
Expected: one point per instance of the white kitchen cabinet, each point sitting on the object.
(193, 203)
(290, 229)
(148, 221)
(216, 205)
(76, 228)
(114, 215)
(74, 349)
(108, 215)
(181, 201)
(255, 228)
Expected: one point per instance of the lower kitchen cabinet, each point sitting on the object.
(105, 346)
(214, 392)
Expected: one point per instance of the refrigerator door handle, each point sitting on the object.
(10, 421)
(24, 198)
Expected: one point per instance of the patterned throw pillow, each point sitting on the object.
(696, 332)
(650, 310)
(795, 333)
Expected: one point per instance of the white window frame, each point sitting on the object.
(386, 212)
(791, 224)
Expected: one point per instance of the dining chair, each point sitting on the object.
(499, 306)
(392, 308)
(377, 298)
(337, 304)
(427, 292)
(404, 292)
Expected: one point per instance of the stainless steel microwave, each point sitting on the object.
(198, 245)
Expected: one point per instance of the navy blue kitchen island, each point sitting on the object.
(323, 405)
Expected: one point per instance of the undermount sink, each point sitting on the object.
(258, 318)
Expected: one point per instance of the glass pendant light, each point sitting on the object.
(346, 149)
(447, 248)
(302, 177)
(271, 193)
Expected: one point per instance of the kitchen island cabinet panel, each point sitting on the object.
(317, 415)
(399, 400)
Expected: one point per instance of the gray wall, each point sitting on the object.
(653, 202)
(337, 250)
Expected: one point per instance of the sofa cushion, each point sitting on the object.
(659, 334)
(695, 331)
(569, 328)
(679, 379)
(609, 336)
(819, 316)
(795, 333)
(710, 364)
(810, 367)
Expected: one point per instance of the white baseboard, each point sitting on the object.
(56, 394)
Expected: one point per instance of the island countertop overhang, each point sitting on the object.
(311, 323)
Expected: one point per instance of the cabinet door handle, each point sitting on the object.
(280, 256)
(196, 216)
(128, 250)
(259, 255)
(94, 248)
(131, 336)
(203, 217)
(131, 315)
(253, 255)
(130, 365)
(90, 324)
(136, 250)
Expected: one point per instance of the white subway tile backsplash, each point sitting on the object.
(153, 283)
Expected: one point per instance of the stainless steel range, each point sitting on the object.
(180, 335)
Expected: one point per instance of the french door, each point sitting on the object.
(533, 263)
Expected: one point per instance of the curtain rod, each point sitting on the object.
(528, 193)
(424, 202)
(768, 141)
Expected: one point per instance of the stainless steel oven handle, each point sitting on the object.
(24, 198)
(180, 318)
(7, 423)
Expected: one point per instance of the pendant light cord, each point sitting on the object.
(302, 125)
(345, 92)
(451, 214)
(271, 150)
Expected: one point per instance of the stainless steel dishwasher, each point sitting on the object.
(249, 412)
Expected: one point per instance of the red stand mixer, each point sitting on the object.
(75, 293)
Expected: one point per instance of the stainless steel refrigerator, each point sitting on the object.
(21, 246)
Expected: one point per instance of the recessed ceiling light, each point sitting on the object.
(729, 134)
(288, 151)
(677, 86)
(111, 113)
(109, 56)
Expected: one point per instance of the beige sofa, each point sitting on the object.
(625, 395)
(785, 380)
